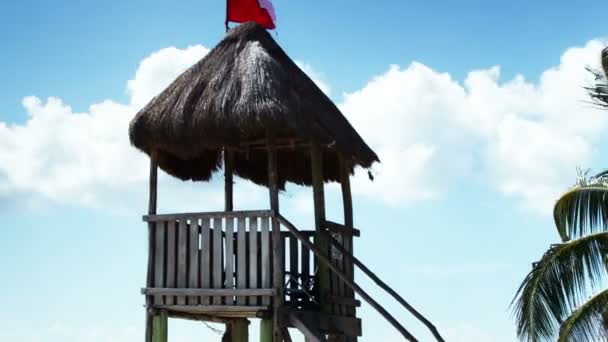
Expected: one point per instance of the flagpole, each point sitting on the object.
(226, 22)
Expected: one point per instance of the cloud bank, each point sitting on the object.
(523, 138)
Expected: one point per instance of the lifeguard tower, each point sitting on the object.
(248, 109)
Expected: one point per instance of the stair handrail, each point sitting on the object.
(325, 260)
(388, 289)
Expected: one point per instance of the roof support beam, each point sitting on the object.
(273, 191)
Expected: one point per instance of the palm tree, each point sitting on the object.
(565, 294)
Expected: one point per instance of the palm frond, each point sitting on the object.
(556, 285)
(587, 322)
(583, 209)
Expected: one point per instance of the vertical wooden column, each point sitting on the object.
(160, 331)
(266, 330)
(228, 179)
(273, 190)
(321, 236)
(240, 330)
(347, 204)
(152, 199)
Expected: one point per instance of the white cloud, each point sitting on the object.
(86, 158)
(525, 138)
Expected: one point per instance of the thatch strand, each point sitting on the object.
(245, 86)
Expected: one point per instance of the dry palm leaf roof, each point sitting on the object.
(243, 90)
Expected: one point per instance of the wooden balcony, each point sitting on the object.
(221, 264)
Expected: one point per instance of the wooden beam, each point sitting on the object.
(228, 180)
(152, 200)
(341, 229)
(273, 191)
(321, 236)
(207, 215)
(347, 205)
(208, 292)
(240, 330)
(160, 329)
(266, 330)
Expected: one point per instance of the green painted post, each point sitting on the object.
(240, 330)
(159, 327)
(266, 330)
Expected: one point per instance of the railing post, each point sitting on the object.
(321, 236)
(273, 190)
(151, 230)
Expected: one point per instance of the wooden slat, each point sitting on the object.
(341, 229)
(205, 261)
(215, 214)
(293, 262)
(159, 258)
(305, 266)
(253, 257)
(265, 243)
(171, 258)
(193, 241)
(229, 240)
(182, 258)
(217, 258)
(209, 292)
(241, 275)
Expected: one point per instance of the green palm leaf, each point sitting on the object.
(586, 322)
(556, 284)
(583, 209)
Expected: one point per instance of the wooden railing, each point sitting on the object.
(224, 259)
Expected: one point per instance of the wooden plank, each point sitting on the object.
(265, 264)
(337, 228)
(347, 301)
(253, 257)
(293, 262)
(209, 292)
(212, 214)
(217, 258)
(213, 308)
(205, 261)
(171, 258)
(182, 259)
(193, 262)
(159, 259)
(305, 262)
(241, 275)
(229, 240)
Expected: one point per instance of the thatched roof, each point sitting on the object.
(241, 90)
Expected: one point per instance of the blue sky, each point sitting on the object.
(475, 109)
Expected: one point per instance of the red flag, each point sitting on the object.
(260, 11)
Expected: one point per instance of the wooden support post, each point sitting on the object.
(321, 236)
(228, 179)
(151, 235)
(240, 330)
(228, 206)
(266, 330)
(273, 190)
(347, 204)
(160, 327)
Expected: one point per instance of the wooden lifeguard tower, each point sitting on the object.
(246, 106)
